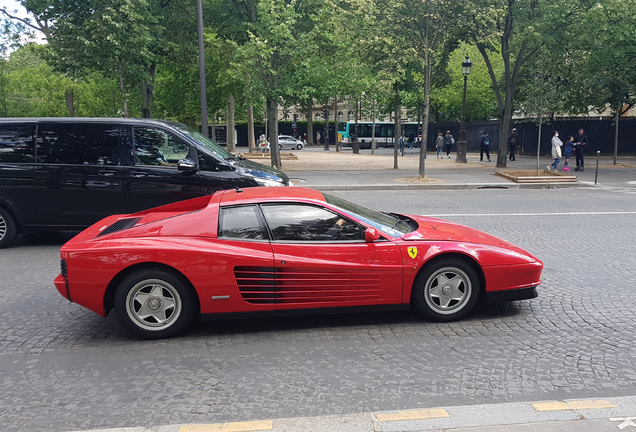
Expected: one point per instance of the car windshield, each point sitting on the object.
(386, 223)
(205, 141)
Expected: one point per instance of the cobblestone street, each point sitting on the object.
(65, 368)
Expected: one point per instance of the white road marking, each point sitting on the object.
(533, 214)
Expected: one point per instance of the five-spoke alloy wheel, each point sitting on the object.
(446, 290)
(153, 303)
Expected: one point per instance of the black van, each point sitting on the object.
(68, 173)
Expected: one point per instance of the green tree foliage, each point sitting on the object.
(31, 87)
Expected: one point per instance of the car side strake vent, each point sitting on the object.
(120, 225)
(257, 284)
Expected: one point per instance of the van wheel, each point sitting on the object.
(154, 304)
(8, 228)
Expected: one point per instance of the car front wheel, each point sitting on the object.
(280, 147)
(154, 304)
(299, 146)
(446, 290)
(8, 228)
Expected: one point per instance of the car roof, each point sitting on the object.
(261, 194)
(117, 120)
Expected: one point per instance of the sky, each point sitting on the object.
(11, 5)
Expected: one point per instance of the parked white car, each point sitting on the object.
(286, 141)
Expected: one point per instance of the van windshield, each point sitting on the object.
(205, 141)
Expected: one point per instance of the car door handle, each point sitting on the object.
(138, 174)
(106, 173)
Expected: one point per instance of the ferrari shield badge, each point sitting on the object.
(412, 251)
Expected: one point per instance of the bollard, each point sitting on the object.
(598, 153)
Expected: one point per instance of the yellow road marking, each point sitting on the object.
(573, 405)
(230, 427)
(413, 415)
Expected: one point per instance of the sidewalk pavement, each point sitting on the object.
(587, 415)
(623, 175)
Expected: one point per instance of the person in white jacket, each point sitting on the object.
(556, 150)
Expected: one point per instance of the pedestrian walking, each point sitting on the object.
(484, 146)
(579, 147)
(305, 138)
(317, 138)
(411, 142)
(513, 142)
(567, 152)
(448, 142)
(402, 143)
(439, 145)
(556, 150)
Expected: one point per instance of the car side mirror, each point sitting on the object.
(371, 235)
(186, 165)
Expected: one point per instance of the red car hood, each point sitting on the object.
(440, 230)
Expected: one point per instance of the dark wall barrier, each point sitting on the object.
(599, 131)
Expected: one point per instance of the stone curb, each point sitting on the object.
(442, 186)
(587, 415)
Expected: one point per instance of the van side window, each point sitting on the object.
(156, 147)
(78, 143)
(16, 142)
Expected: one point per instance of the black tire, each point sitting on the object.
(154, 304)
(8, 228)
(280, 147)
(446, 290)
(299, 146)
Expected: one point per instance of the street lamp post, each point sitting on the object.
(204, 101)
(461, 144)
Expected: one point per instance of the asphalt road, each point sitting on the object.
(65, 368)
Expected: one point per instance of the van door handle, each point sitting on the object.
(106, 173)
(138, 174)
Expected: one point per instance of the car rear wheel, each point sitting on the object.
(8, 228)
(154, 304)
(446, 290)
(299, 146)
(280, 147)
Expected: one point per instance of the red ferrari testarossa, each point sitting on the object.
(262, 251)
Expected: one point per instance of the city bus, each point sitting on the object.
(384, 133)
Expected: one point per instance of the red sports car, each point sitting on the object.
(261, 251)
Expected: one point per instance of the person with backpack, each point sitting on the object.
(484, 146)
(402, 143)
(448, 142)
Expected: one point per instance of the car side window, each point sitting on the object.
(157, 147)
(78, 143)
(242, 222)
(297, 222)
(16, 142)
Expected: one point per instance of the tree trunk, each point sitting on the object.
(70, 106)
(538, 143)
(230, 123)
(122, 90)
(147, 89)
(427, 113)
(355, 145)
(213, 128)
(335, 122)
(251, 141)
(618, 112)
(373, 130)
(272, 118)
(397, 133)
(310, 122)
(504, 125)
(326, 130)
